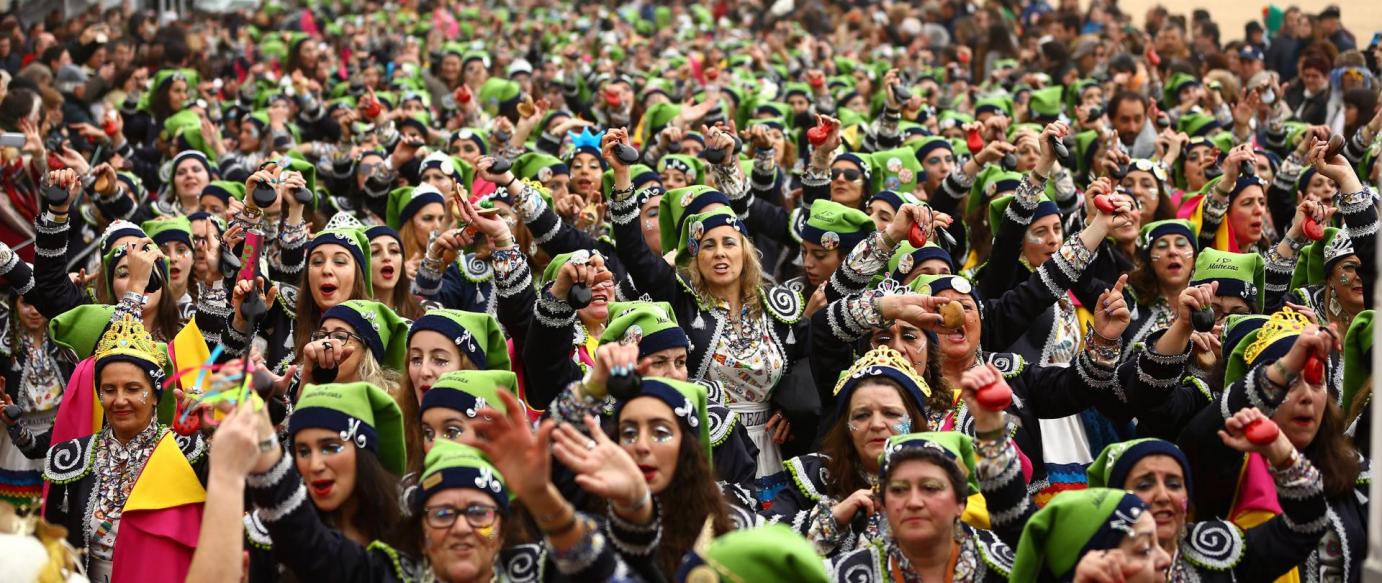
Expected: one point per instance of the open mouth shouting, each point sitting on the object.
(321, 488)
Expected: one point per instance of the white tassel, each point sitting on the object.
(699, 322)
(480, 295)
(791, 334)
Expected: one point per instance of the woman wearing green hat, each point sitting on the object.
(170, 92)
(575, 546)
(1338, 270)
(454, 400)
(569, 336)
(1215, 549)
(337, 270)
(445, 340)
(1267, 370)
(1041, 392)
(829, 232)
(328, 506)
(1161, 369)
(1091, 535)
(1029, 235)
(743, 334)
(1166, 256)
(416, 213)
(358, 341)
(173, 235)
(662, 348)
(129, 259)
(924, 486)
(666, 431)
(441, 342)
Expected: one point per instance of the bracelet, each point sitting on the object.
(621, 194)
(1294, 243)
(996, 434)
(887, 239)
(642, 502)
(512, 178)
(560, 530)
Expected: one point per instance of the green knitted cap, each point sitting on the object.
(356, 410)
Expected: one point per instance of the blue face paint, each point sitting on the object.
(903, 427)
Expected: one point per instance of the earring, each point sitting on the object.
(1334, 306)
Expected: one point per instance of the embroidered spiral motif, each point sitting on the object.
(1214, 545)
(783, 301)
(522, 566)
(716, 421)
(475, 266)
(996, 552)
(857, 574)
(66, 457)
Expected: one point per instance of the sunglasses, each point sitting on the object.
(850, 174)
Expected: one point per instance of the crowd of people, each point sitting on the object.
(452, 290)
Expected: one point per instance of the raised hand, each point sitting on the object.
(1111, 314)
(1234, 434)
(602, 468)
(972, 381)
(520, 454)
(1047, 162)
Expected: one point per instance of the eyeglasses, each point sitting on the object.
(338, 335)
(850, 174)
(476, 515)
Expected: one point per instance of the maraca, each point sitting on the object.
(819, 134)
(186, 424)
(1104, 204)
(1336, 145)
(626, 153)
(974, 140)
(1261, 431)
(1312, 228)
(1314, 370)
(994, 397)
(1061, 151)
(579, 296)
(916, 237)
(463, 94)
(623, 386)
(109, 126)
(901, 93)
(1202, 320)
(500, 165)
(370, 107)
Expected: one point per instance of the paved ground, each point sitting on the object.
(1362, 17)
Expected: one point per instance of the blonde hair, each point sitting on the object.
(751, 276)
